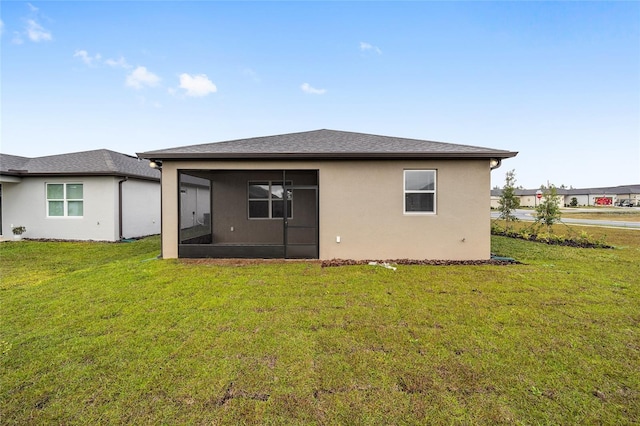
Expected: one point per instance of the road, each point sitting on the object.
(527, 215)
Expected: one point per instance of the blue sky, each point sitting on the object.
(557, 81)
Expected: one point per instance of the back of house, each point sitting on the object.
(327, 194)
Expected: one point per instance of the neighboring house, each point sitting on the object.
(94, 195)
(607, 196)
(327, 194)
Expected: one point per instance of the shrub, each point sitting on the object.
(548, 211)
(524, 234)
(496, 229)
(544, 237)
(19, 230)
(560, 239)
(509, 201)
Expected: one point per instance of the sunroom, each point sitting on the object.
(248, 214)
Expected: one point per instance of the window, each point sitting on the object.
(420, 191)
(64, 200)
(266, 200)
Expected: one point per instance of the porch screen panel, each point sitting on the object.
(195, 209)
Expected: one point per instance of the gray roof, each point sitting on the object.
(12, 162)
(100, 162)
(623, 189)
(325, 144)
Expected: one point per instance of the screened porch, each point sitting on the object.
(248, 214)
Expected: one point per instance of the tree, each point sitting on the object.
(548, 211)
(508, 201)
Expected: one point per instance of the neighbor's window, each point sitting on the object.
(419, 191)
(267, 198)
(64, 199)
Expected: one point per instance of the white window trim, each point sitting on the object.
(270, 200)
(65, 200)
(412, 191)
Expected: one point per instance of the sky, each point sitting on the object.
(559, 82)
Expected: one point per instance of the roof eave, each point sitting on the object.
(92, 174)
(327, 156)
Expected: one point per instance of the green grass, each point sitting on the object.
(96, 333)
(620, 215)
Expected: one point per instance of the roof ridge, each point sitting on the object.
(17, 156)
(111, 165)
(330, 144)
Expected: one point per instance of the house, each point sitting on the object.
(326, 194)
(92, 195)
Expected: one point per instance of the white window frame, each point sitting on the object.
(65, 200)
(414, 191)
(270, 199)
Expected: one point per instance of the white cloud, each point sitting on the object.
(86, 58)
(141, 77)
(364, 47)
(118, 63)
(197, 85)
(96, 59)
(307, 88)
(33, 30)
(36, 32)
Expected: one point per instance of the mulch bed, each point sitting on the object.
(344, 262)
(348, 262)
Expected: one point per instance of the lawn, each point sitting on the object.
(98, 333)
(623, 215)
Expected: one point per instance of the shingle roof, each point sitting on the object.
(326, 144)
(97, 162)
(12, 162)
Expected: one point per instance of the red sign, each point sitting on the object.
(539, 194)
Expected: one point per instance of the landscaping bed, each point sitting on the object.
(552, 239)
(348, 262)
(556, 235)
